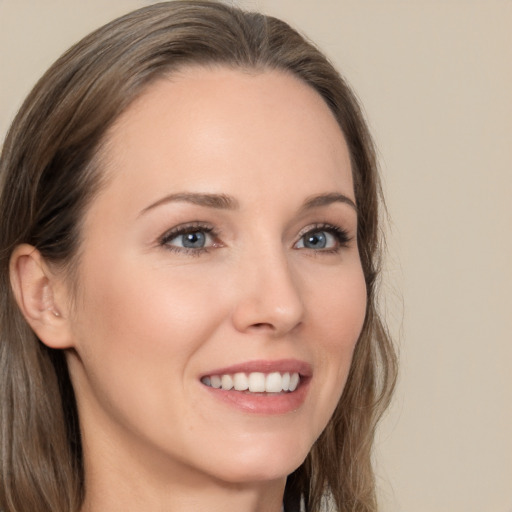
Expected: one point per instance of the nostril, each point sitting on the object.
(263, 325)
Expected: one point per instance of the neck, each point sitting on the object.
(175, 498)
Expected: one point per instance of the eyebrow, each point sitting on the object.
(327, 199)
(225, 202)
(217, 201)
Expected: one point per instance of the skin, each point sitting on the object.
(150, 318)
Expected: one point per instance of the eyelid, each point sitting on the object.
(340, 234)
(189, 227)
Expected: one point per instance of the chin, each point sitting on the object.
(248, 473)
(260, 464)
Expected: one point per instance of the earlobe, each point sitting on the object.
(35, 287)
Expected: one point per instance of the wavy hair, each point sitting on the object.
(49, 173)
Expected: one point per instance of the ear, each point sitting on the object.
(41, 296)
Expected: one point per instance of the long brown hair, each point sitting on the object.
(48, 174)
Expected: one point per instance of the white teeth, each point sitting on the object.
(274, 383)
(286, 381)
(241, 382)
(215, 381)
(255, 382)
(294, 381)
(227, 382)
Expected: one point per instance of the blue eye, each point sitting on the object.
(317, 240)
(189, 238)
(195, 240)
(323, 238)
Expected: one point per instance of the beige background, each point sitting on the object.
(435, 79)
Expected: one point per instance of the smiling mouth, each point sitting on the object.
(254, 382)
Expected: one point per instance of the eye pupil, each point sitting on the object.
(316, 240)
(194, 240)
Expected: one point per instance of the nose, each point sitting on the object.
(269, 300)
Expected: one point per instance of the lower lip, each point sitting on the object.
(263, 403)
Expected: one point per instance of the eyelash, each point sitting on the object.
(196, 227)
(340, 235)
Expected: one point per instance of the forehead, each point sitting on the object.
(208, 127)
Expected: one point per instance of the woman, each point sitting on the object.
(189, 254)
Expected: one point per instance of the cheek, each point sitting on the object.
(136, 336)
(138, 341)
(340, 309)
(129, 304)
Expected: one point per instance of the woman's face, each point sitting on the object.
(222, 251)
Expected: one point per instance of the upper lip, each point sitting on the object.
(265, 366)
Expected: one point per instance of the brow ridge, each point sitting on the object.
(226, 202)
(217, 201)
(327, 199)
